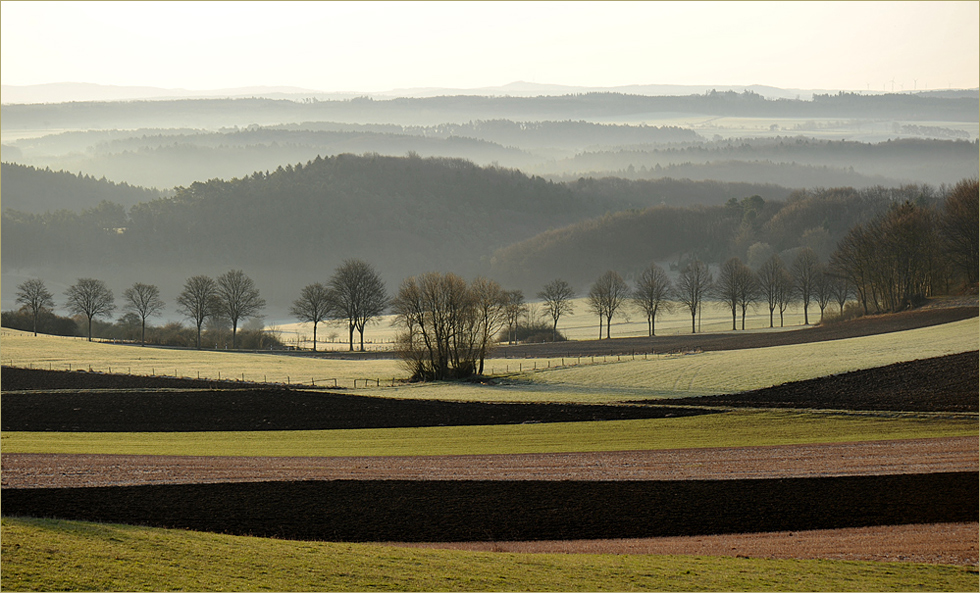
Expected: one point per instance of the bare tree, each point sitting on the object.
(854, 258)
(606, 296)
(516, 307)
(768, 279)
(557, 296)
(92, 298)
(357, 296)
(693, 286)
(144, 300)
(736, 287)
(490, 301)
(823, 289)
(748, 292)
(238, 298)
(442, 329)
(840, 287)
(806, 269)
(960, 229)
(313, 306)
(199, 301)
(652, 295)
(785, 294)
(34, 296)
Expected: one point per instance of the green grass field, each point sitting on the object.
(731, 429)
(47, 555)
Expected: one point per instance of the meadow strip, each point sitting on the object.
(47, 555)
(731, 429)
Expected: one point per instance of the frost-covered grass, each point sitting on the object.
(707, 373)
(604, 380)
(60, 353)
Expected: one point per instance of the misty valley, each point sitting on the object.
(520, 190)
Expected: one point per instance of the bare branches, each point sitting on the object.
(357, 295)
(652, 294)
(34, 296)
(92, 298)
(144, 300)
(557, 296)
(238, 299)
(313, 305)
(693, 286)
(606, 296)
(199, 301)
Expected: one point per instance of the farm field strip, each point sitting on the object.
(663, 376)
(731, 429)
(90, 556)
(919, 456)
(708, 373)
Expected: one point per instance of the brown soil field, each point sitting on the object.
(911, 456)
(891, 500)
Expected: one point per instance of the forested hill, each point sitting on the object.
(292, 226)
(752, 228)
(212, 113)
(39, 190)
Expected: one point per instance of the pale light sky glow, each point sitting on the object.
(378, 46)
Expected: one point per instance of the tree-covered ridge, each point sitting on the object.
(751, 228)
(28, 189)
(783, 160)
(422, 111)
(408, 214)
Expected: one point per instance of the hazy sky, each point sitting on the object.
(377, 46)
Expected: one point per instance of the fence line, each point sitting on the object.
(354, 382)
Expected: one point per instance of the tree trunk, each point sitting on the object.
(198, 336)
(608, 322)
(143, 332)
(314, 336)
(600, 327)
(360, 330)
(350, 329)
(234, 334)
(554, 333)
(90, 328)
(693, 317)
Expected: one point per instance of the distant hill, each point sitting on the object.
(74, 91)
(293, 225)
(788, 161)
(165, 158)
(214, 113)
(39, 190)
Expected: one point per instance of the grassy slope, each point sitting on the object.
(66, 555)
(732, 429)
(661, 376)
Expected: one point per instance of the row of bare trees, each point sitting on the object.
(92, 298)
(232, 296)
(737, 286)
